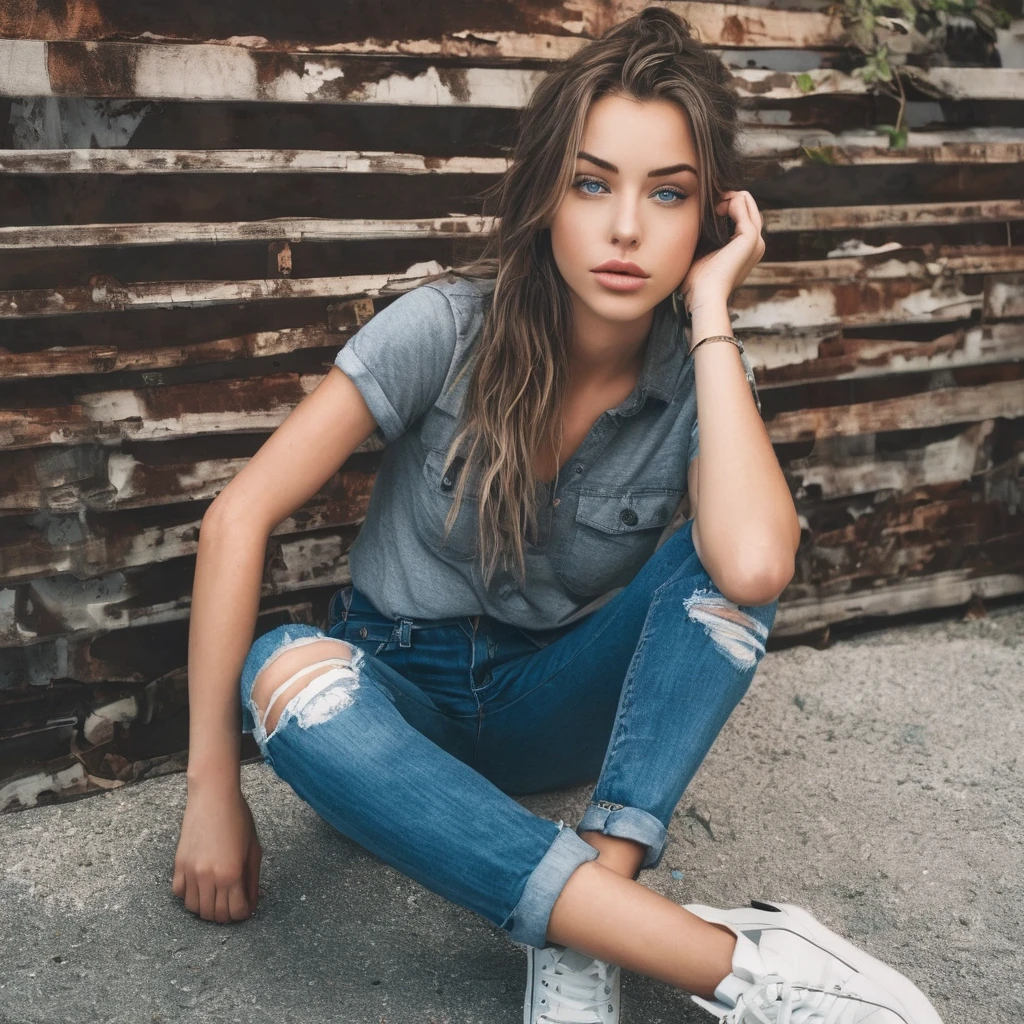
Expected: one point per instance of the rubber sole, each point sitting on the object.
(911, 1001)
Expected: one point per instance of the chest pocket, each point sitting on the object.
(439, 493)
(615, 533)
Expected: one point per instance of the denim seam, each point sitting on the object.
(628, 685)
(548, 679)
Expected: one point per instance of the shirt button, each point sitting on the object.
(577, 470)
(556, 501)
(628, 516)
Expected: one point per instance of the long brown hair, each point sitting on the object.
(519, 366)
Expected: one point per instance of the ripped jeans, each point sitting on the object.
(416, 744)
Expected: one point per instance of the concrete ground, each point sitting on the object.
(877, 783)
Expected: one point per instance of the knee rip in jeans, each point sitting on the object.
(309, 687)
(738, 635)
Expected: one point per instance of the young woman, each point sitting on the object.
(524, 615)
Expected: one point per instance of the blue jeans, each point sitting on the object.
(417, 749)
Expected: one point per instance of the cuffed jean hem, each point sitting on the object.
(528, 922)
(628, 823)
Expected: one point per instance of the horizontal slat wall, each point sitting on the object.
(198, 207)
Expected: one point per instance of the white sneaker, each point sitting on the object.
(789, 967)
(565, 986)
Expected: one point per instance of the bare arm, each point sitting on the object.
(746, 531)
(216, 848)
(294, 463)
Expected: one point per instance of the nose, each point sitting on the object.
(625, 227)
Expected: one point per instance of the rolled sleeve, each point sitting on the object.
(399, 360)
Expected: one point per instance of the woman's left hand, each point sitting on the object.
(717, 274)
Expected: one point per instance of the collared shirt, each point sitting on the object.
(609, 507)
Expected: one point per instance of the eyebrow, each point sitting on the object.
(657, 173)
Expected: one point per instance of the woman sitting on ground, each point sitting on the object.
(526, 613)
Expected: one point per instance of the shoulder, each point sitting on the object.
(467, 298)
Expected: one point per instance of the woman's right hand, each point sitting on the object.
(217, 866)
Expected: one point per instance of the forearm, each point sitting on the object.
(225, 602)
(745, 514)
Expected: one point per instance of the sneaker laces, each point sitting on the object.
(575, 997)
(774, 1000)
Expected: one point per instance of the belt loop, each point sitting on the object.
(346, 600)
(405, 633)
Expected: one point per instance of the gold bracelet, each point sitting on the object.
(715, 337)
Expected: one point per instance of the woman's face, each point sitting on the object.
(617, 209)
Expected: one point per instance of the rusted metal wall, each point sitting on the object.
(199, 204)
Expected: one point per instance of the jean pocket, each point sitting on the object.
(615, 533)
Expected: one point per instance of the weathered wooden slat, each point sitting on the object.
(329, 229)
(542, 34)
(784, 361)
(850, 303)
(240, 161)
(132, 655)
(252, 405)
(101, 479)
(90, 359)
(1003, 399)
(794, 147)
(925, 530)
(61, 605)
(1004, 295)
(290, 229)
(939, 590)
(89, 545)
(832, 218)
(788, 147)
(964, 83)
(106, 295)
(220, 73)
(830, 471)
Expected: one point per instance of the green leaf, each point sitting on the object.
(820, 154)
(804, 82)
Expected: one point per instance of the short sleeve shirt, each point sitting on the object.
(608, 509)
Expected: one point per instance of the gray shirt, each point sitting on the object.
(613, 504)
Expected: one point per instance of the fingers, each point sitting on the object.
(740, 205)
(206, 897)
(223, 903)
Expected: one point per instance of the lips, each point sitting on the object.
(620, 267)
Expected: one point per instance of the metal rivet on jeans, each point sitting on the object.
(362, 632)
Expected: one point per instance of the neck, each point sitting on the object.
(602, 351)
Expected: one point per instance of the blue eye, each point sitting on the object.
(581, 184)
